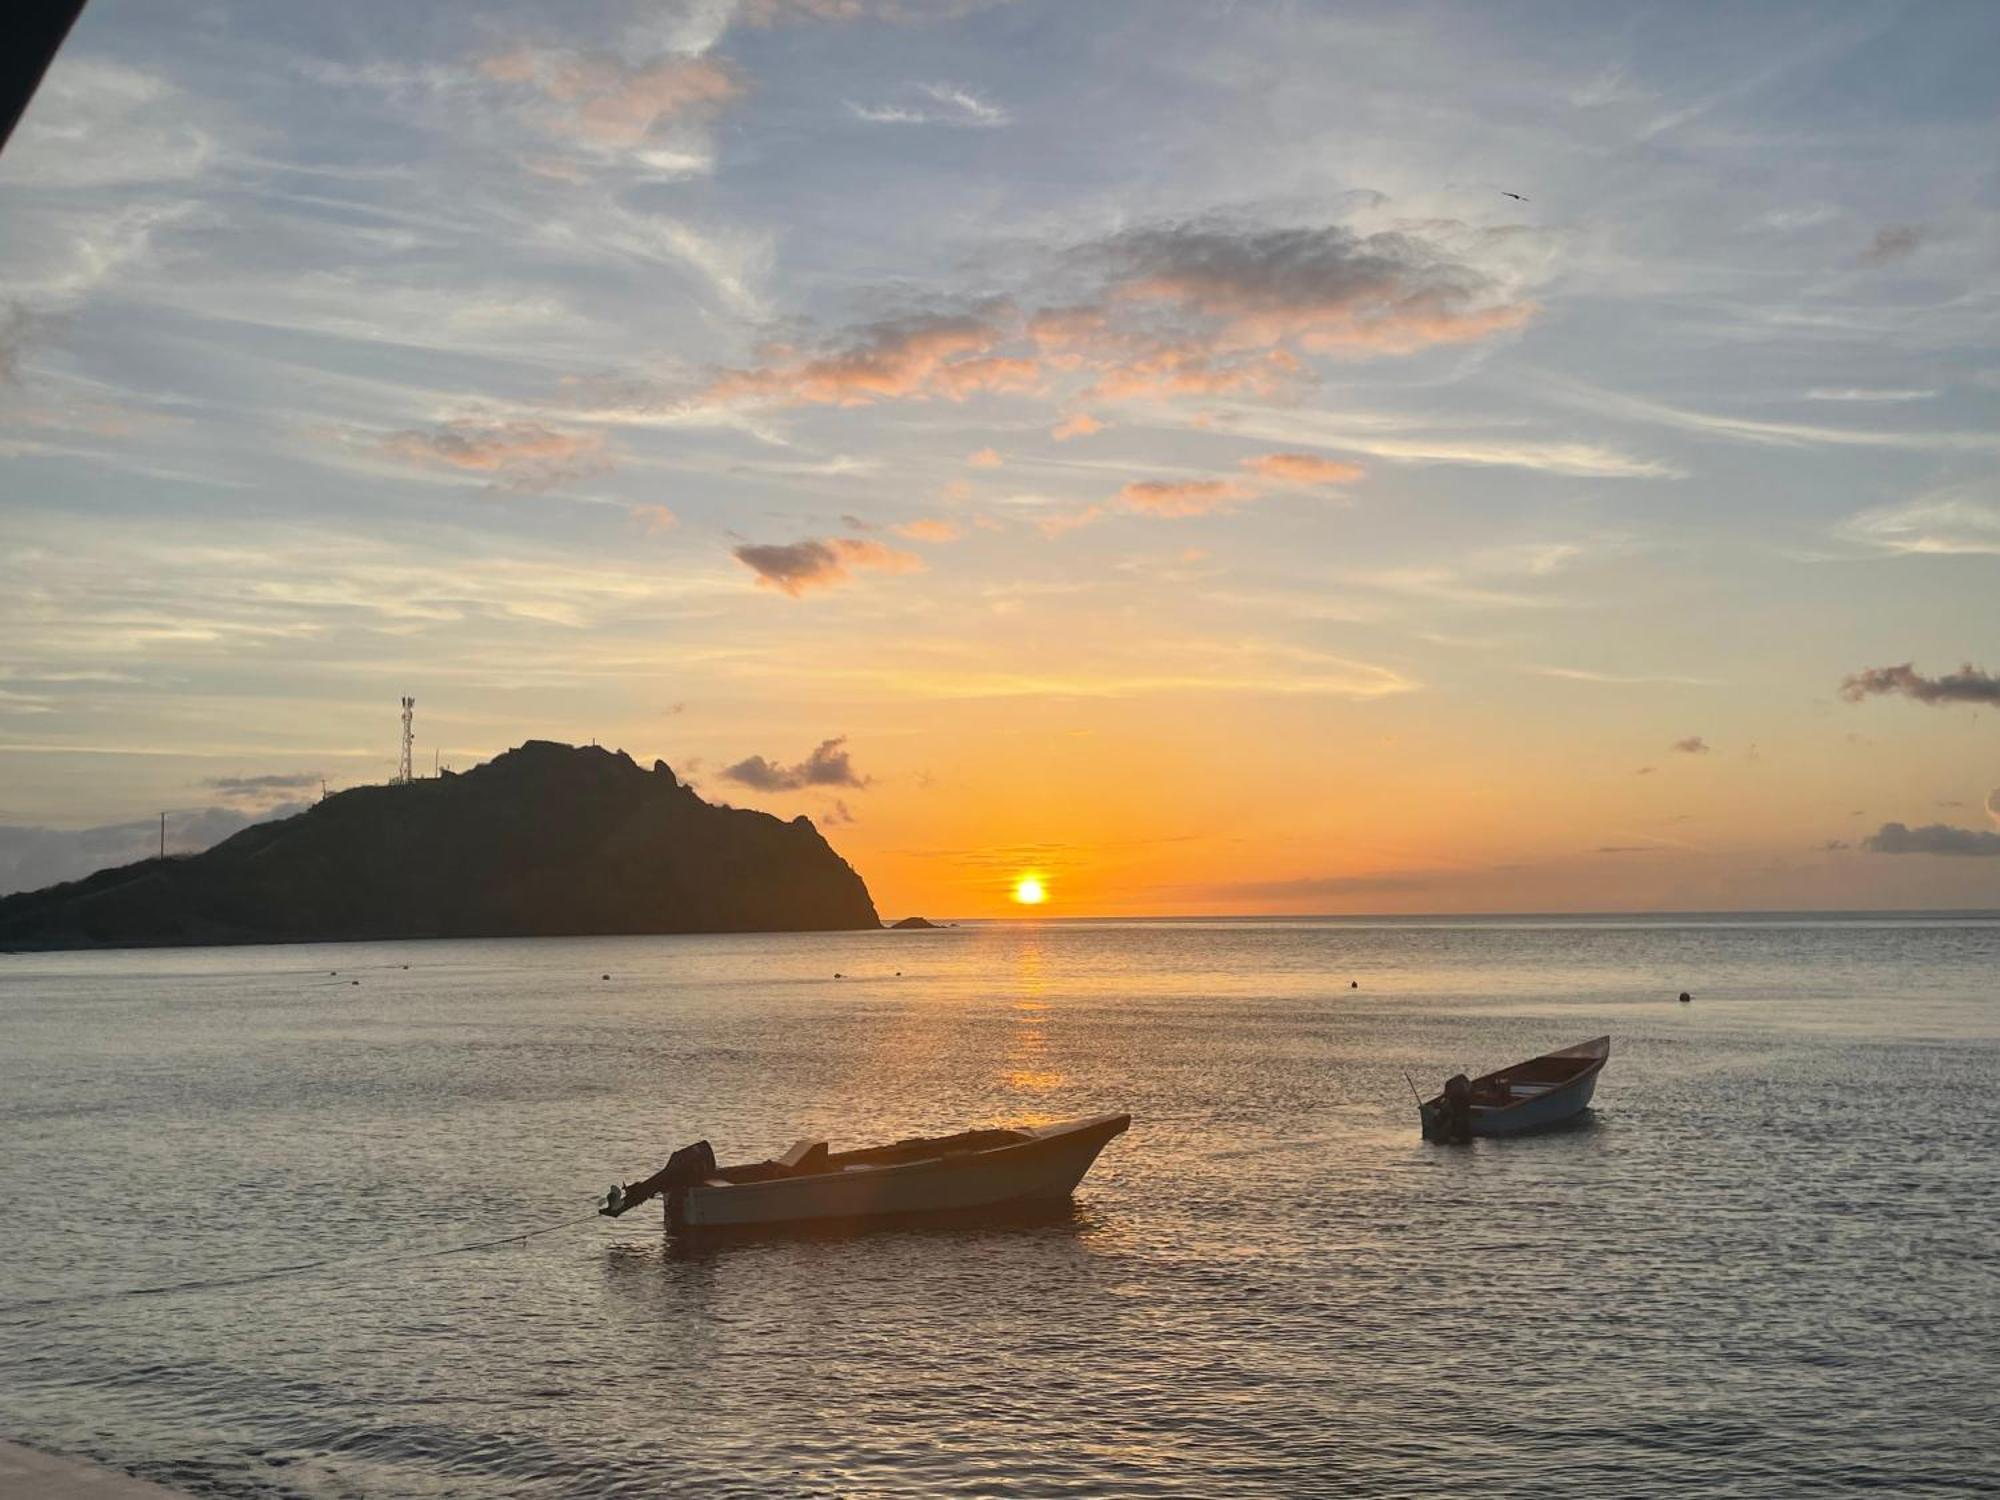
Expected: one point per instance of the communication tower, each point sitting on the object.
(403, 776)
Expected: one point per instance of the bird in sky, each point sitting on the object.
(1515, 196)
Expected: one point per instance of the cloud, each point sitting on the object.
(1932, 838)
(837, 814)
(1186, 497)
(986, 458)
(263, 791)
(98, 124)
(1945, 522)
(606, 103)
(1993, 804)
(1694, 744)
(926, 529)
(1323, 290)
(515, 454)
(1364, 434)
(828, 765)
(655, 518)
(1894, 243)
(784, 12)
(1302, 469)
(1060, 522)
(919, 358)
(1203, 308)
(949, 104)
(1079, 424)
(18, 329)
(1967, 685)
(794, 567)
(1857, 393)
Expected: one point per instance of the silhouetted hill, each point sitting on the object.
(545, 840)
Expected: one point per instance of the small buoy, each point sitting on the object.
(607, 976)
(899, 973)
(1685, 997)
(333, 973)
(838, 975)
(354, 981)
(1354, 984)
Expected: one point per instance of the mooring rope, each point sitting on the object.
(279, 1273)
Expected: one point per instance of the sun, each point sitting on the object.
(1029, 890)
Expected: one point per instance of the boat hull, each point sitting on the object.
(1552, 1108)
(1047, 1166)
(1543, 1092)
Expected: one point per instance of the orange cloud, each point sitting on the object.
(655, 517)
(911, 359)
(602, 101)
(986, 458)
(1302, 469)
(520, 455)
(1187, 310)
(1055, 525)
(1188, 497)
(925, 529)
(794, 567)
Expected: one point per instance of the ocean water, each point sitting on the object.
(235, 1188)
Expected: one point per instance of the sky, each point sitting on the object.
(1217, 458)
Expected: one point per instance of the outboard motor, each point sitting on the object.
(683, 1170)
(1456, 1126)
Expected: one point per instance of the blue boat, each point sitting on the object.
(1533, 1095)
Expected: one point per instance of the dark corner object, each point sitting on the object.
(35, 35)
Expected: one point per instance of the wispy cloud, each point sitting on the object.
(603, 102)
(514, 454)
(941, 104)
(1888, 394)
(1955, 520)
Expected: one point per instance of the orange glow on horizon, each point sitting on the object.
(1030, 891)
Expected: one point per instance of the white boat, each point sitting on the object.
(1533, 1095)
(974, 1169)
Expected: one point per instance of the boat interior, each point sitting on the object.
(810, 1158)
(1526, 1080)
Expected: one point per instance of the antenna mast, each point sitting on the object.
(403, 777)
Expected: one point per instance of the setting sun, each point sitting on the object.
(1029, 891)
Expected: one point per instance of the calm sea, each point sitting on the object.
(1769, 1264)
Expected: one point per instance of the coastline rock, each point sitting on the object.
(910, 924)
(544, 840)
